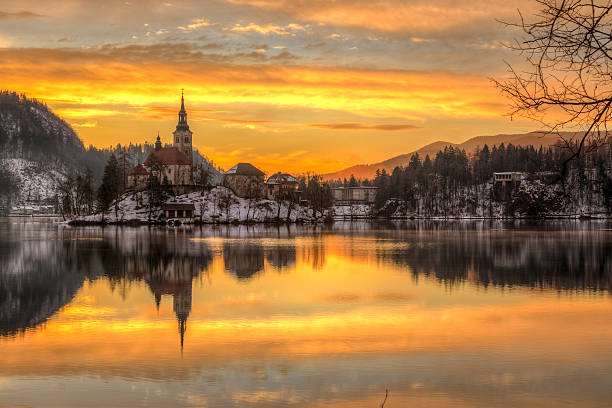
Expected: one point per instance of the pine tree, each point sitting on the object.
(109, 189)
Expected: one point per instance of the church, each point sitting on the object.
(172, 165)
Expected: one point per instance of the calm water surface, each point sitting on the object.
(456, 314)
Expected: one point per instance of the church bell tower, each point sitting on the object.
(182, 134)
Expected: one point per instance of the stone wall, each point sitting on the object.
(244, 186)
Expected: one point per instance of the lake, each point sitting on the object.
(442, 314)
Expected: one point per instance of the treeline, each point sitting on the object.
(29, 130)
(452, 179)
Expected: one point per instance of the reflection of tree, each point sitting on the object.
(38, 277)
(243, 260)
(314, 253)
(562, 260)
(281, 256)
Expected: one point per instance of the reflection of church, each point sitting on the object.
(174, 279)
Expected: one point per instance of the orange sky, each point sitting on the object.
(287, 85)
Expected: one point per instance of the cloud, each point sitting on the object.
(128, 90)
(269, 28)
(197, 23)
(285, 55)
(419, 17)
(141, 74)
(363, 126)
(20, 15)
(84, 125)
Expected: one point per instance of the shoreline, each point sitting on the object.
(139, 223)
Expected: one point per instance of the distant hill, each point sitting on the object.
(36, 146)
(362, 171)
(38, 149)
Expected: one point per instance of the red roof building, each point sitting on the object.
(138, 171)
(166, 156)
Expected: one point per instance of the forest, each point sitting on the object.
(454, 183)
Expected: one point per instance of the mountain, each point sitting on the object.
(362, 171)
(38, 150)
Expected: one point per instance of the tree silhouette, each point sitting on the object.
(566, 81)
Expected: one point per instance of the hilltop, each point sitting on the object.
(38, 150)
(362, 171)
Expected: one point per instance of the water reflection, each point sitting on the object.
(243, 260)
(307, 316)
(40, 275)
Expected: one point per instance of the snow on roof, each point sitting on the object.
(281, 178)
(244, 169)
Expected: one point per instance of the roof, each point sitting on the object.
(178, 206)
(168, 155)
(138, 171)
(245, 169)
(281, 178)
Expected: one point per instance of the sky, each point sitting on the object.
(297, 86)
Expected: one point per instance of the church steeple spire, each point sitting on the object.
(158, 144)
(182, 122)
(182, 134)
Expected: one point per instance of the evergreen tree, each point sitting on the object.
(109, 189)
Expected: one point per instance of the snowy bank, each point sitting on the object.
(219, 205)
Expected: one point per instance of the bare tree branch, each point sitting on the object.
(565, 82)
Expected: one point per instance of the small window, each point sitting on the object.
(186, 139)
(179, 213)
(178, 140)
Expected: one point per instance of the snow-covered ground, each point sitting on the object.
(352, 211)
(478, 202)
(216, 205)
(36, 181)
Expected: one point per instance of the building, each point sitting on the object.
(138, 177)
(174, 164)
(182, 134)
(507, 177)
(169, 164)
(245, 180)
(353, 195)
(178, 211)
(282, 185)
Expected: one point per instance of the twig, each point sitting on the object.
(385, 400)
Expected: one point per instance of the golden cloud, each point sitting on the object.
(364, 126)
(124, 88)
(418, 16)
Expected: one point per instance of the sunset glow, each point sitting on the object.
(287, 85)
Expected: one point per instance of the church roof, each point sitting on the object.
(138, 171)
(168, 155)
(244, 169)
